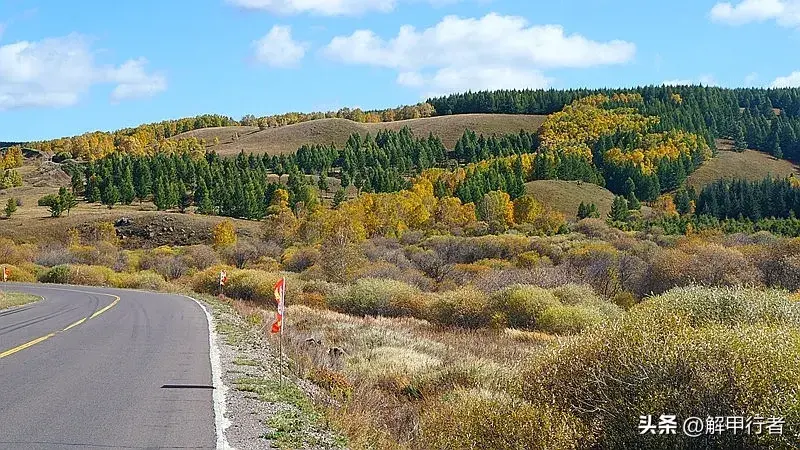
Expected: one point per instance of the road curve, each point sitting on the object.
(104, 368)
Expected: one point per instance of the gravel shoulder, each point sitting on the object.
(264, 413)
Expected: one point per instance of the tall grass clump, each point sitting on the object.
(691, 352)
(379, 297)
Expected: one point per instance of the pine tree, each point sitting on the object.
(111, 196)
(322, 183)
(142, 179)
(339, 197)
(682, 202)
(127, 192)
(619, 209)
(739, 141)
(11, 207)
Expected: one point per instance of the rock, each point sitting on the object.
(123, 222)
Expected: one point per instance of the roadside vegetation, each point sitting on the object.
(10, 299)
(525, 290)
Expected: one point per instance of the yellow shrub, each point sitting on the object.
(18, 274)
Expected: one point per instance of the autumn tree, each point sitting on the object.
(527, 209)
(224, 234)
(497, 210)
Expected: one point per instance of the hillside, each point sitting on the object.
(288, 138)
(750, 165)
(565, 196)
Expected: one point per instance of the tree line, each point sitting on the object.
(753, 200)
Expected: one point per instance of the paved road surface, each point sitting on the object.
(133, 373)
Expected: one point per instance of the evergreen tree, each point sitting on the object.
(11, 207)
(111, 196)
(682, 202)
(339, 197)
(619, 209)
(739, 141)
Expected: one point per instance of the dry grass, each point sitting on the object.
(12, 299)
(287, 139)
(750, 165)
(565, 196)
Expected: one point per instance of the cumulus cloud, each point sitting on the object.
(784, 12)
(278, 49)
(477, 53)
(791, 80)
(134, 82)
(58, 71)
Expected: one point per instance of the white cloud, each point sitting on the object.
(134, 82)
(320, 7)
(56, 72)
(784, 12)
(278, 49)
(452, 79)
(469, 53)
(791, 80)
(750, 79)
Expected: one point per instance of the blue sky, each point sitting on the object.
(71, 67)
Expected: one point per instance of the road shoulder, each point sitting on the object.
(263, 412)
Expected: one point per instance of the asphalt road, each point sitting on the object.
(135, 373)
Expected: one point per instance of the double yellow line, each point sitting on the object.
(44, 338)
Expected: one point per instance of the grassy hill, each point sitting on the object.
(326, 131)
(565, 196)
(750, 164)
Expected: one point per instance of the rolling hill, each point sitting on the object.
(566, 196)
(750, 165)
(288, 139)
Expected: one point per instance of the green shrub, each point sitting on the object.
(379, 297)
(58, 274)
(465, 307)
(692, 352)
(576, 294)
(489, 420)
(569, 319)
(522, 305)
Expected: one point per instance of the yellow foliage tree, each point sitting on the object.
(224, 234)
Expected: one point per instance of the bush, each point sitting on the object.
(11, 253)
(200, 256)
(247, 284)
(299, 259)
(18, 274)
(522, 305)
(569, 319)
(54, 255)
(576, 294)
(78, 274)
(490, 420)
(465, 307)
(379, 297)
(692, 352)
(140, 280)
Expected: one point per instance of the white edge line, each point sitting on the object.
(220, 421)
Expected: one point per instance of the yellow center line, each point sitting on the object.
(105, 309)
(26, 345)
(44, 338)
(75, 324)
